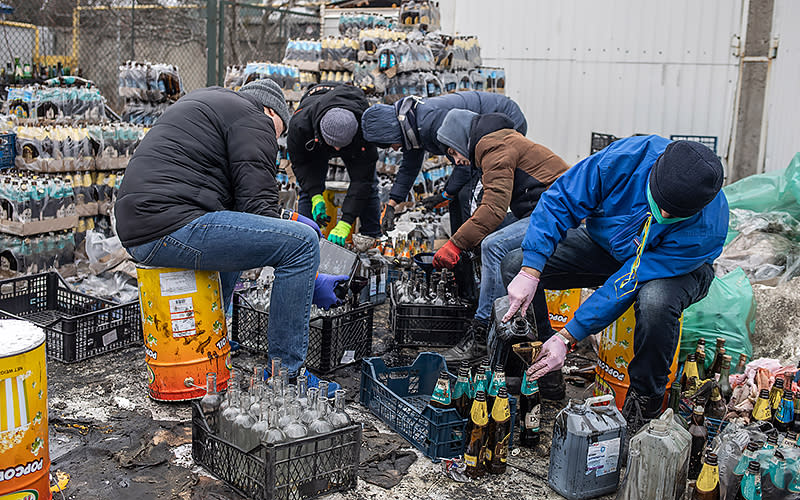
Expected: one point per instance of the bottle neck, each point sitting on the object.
(338, 402)
(211, 384)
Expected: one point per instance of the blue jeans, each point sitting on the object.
(493, 248)
(579, 262)
(370, 216)
(232, 242)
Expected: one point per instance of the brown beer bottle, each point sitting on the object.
(719, 351)
(716, 407)
(700, 355)
(724, 379)
(707, 486)
(499, 434)
(742, 364)
(697, 429)
(690, 377)
(461, 396)
(477, 430)
(441, 397)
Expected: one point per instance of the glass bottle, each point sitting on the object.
(783, 417)
(295, 429)
(700, 357)
(243, 436)
(310, 413)
(772, 441)
(442, 397)
(790, 440)
(740, 366)
(477, 430)
(499, 434)
(278, 391)
(338, 417)
(716, 366)
(724, 379)
(707, 485)
(273, 434)
(748, 455)
(262, 422)
(775, 480)
(275, 371)
(761, 408)
(302, 389)
(750, 488)
(461, 391)
(675, 403)
(229, 414)
(690, 376)
(323, 388)
(716, 407)
(775, 395)
(211, 402)
(530, 406)
(699, 434)
(321, 425)
(796, 419)
(498, 382)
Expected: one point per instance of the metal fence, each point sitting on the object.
(96, 37)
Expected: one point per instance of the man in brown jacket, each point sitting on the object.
(515, 172)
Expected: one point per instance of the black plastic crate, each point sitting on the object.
(8, 148)
(426, 325)
(305, 468)
(77, 326)
(600, 141)
(333, 341)
(399, 397)
(706, 140)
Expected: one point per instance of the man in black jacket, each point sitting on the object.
(200, 193)
(327, 123)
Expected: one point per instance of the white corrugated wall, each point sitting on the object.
(783, 91)
(619, 67)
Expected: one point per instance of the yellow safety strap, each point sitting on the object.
(631, 277)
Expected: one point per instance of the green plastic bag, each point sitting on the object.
(775, 191)
(728, 311)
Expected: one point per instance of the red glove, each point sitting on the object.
(447, 256)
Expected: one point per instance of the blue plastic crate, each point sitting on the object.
(8, 149)
(399, 397)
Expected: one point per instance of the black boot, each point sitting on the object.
(639, 410)
(552, 386)
(472, 346)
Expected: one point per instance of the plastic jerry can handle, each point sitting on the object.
(667, 415)
(596, 400)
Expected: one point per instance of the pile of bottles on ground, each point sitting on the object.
(754, 456)
(148, 89)
(483, 400)
(272, 411)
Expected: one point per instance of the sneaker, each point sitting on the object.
(472, 346)
(639, 410)
(313, 381)
(552, 386)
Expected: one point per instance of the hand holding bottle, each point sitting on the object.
(551, 358)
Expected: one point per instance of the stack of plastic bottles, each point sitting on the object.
(148, 89)
(59, 104)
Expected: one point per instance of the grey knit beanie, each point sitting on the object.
(270, 95)
(454, 131)
(338, 127)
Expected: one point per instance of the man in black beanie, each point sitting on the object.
(655, 220)
(327, 124)
(200, 193)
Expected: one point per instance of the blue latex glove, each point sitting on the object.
(323, 290)
(291, 215)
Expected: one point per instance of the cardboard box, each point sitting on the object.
(87, 209)
(38, 226)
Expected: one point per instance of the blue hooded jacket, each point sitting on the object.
(380, 126)
(609, 191)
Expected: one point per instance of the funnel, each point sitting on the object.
(362, 243)
(425, 262)
(527, 351)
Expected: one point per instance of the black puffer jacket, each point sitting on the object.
(212, 150)
(309, 153)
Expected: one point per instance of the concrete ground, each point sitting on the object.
(115, 442)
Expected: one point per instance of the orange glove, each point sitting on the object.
(447, 256)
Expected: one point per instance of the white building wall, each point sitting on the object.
(783, 88)
(617, 66)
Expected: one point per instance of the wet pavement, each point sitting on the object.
(114, 442)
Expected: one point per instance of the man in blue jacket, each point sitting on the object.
(655, 221)
(411, 124)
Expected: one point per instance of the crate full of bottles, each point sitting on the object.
(427, 311)
(336, 337)
(431, 407)
(78, 326)
(276, 441)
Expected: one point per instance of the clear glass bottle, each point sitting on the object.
(257, 400)
(323, 388)
(276, 370)
(296, 429)
(338, 417)
(229, 414)
(277, 392)
(211, 402)
(321, 425)
(310, 413)
(302, 389)
(262, 422)
(273, 434)
(243, 436)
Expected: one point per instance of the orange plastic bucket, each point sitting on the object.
(24, 452)
(561, 306)
(185, 336)
(616, 353)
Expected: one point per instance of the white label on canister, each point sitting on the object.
(348, 357)
(181, 313)
(602, 457)
(373, 285)
(178, 283)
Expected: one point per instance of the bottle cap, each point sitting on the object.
(764, 394)
(778, 383)
(699, 410)
(753, 467)
(711, 459)
(502, 393)
(753, 446)
(480, 396)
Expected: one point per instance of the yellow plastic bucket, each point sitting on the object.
(185, 336)
(561, 306)
(616, 353)
(24, 453)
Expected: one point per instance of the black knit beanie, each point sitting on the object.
(685, 178)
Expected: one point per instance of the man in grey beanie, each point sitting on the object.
(327, 124)
(200, 193)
